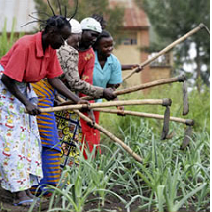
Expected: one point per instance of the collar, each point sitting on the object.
(39, 48)
(109, 59)
(66, 46)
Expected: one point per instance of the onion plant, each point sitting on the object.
(172, 178)
(83, 183)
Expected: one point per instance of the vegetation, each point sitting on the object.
(86, 9)
(171, 20)
(169, 179)
(6, 41)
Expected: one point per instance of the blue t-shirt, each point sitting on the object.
(111, 72)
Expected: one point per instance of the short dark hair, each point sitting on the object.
(100, 19)
(104, 34)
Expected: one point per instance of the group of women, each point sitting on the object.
(32, 74)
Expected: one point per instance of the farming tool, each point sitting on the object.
(188, 122)
(165, 50)
(107, 133)
(164, 102)
(149, 85)
(110, 135)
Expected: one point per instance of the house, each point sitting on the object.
(136, 31)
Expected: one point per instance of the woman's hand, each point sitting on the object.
(11, 86)
(86, 108)
(88, 111)
(32, 109)
(108, 94)
(137, 67)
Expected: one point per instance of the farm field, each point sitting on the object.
(168, 179)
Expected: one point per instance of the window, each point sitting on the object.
(130, 39)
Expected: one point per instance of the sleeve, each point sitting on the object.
(69, 63)
(54, 68)
(116, 73)
(16, 64)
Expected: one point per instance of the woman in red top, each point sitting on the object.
(90, 31)
(32, 58)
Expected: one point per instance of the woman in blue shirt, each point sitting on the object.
(107, 68)
(107, 73)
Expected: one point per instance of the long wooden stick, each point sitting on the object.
(163, 102)
(189, 122)
(150, 84)
(111, 136)
(169, 47)
(138, 87)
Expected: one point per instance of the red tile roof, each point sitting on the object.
(134, 17)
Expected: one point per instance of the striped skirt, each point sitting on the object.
(51, 171)
(51, 152)
(46, 121)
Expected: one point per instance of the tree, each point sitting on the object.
(172, 19)
(86, 8)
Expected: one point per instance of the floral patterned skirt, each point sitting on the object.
(20, 145)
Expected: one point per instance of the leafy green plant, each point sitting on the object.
(172, 178)
(7, 40)
(80, 184)
(172, 200)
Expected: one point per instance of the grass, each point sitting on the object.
(199, 110)
(169, 179)
(7, 40)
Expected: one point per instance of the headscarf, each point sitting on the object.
(75, 26)
(91, 24)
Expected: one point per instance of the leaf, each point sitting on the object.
(182, 201)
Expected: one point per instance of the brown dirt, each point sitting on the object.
(111, 203)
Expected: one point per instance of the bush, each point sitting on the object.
(199, 109)
(6, 39)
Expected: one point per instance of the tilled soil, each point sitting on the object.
(111, 203)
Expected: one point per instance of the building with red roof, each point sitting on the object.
(136, 38)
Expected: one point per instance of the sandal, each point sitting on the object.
(21, 203)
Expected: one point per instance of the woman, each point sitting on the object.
(107, 71)
(91, 29)
(67, 122)
(51, 145)
(32, 58)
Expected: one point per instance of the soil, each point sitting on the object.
(111, 203)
